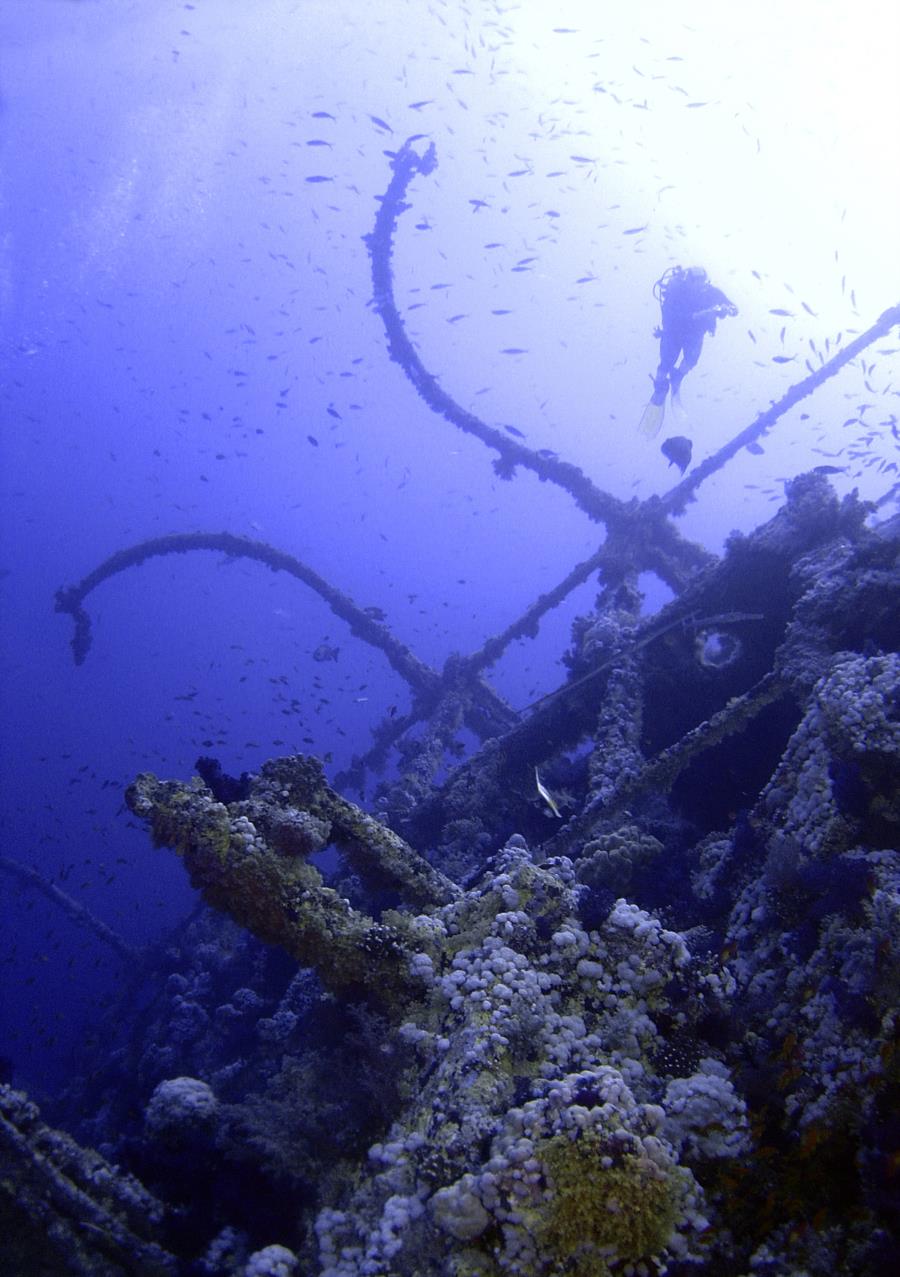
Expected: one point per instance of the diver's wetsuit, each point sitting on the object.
(690, 305)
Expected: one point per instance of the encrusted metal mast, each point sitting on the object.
(639, 537)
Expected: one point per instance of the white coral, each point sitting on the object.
(178, 1104)
(271, 1261)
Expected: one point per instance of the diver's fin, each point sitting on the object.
(678, 410)
(651, 420)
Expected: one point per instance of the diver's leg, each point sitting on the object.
(669, 350)
(660, 388)
(689, 357)
(652, 416)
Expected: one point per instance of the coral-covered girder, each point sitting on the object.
(249, 859)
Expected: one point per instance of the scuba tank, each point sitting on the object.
(674, 274)
(661, 287)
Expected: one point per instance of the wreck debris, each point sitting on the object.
(561, 1049)
(71, 599)
(76, 911)
(568, 1077)
(640, 536)
(676, 500)
(249, 859)
(66, 1209)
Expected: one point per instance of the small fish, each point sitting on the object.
(779, 311)
(635, 230)
(381, 124)
(783, 359)
(829, 469)
(678, 451)
(313, 440)
(755, 449)
(514, 431)
(546, 795)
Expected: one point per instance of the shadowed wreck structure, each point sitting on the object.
(615, 993)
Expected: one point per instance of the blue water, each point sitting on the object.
(188, 343)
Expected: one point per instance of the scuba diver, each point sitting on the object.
(690, 306)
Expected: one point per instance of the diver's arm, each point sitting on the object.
(724, 307)
(719, 304)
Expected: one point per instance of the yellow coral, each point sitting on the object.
(604, 1209)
